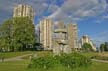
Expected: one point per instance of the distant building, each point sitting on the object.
(72, 35)
(46, 33)
(23, 11)
(61, 31)
(61, 36)
(66, 35)
(86, 39)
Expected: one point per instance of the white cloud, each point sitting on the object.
(55, 13)
(40, 7)
(79, 8)
(105, 17)
(70, 9)
(98, 21)
(45, 4)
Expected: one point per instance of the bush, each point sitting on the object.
(75, 60)
(72, 60)
(87, 47)
(43, 62)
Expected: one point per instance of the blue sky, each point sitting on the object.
(90, 15)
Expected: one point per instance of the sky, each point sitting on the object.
(91, 16)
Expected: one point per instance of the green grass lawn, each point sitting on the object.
(14, 65)
(90, 54)
(96, 55)
(98, 66)
(13, 54)
(22, 66)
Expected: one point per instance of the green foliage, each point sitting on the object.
(106, 46)
(43, 62)
(5, 35)
(73, 60)
(22, 66)
(17, 34)
(87, 47)
(102, 47)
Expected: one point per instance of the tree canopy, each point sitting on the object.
(17, 34)
(87, 47)
(104, 47)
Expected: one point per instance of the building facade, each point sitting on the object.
(23, 11)
(61, 36)
(72, 35)
(46, 34)
(86, 39)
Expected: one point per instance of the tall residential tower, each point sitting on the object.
(86, 39)
(46, 33)
(72, 35)
(23, 11)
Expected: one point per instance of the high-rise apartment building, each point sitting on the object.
(61, 31)
(23, 11)
(61, 35)
(86, 39)
(72, 35)
(46, 33)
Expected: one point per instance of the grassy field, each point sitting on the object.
(14, 65)
(90, 54)
(22, 66)
(98, 56)
(98, 66)
(39, 54)
(13, 54)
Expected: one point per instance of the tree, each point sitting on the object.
(87, 47)
(106, 46)
(24, 33)
(102, 47)
(18, 34)
(5, 35)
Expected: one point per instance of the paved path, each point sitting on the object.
(20, 58)
(16, 58)
(104, 61)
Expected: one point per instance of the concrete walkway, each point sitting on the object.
(20, 58)
(104, 61)
(16, 58)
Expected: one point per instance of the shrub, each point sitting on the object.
(75, 60)
(43, 62)
(87, 47)
(72, 60)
